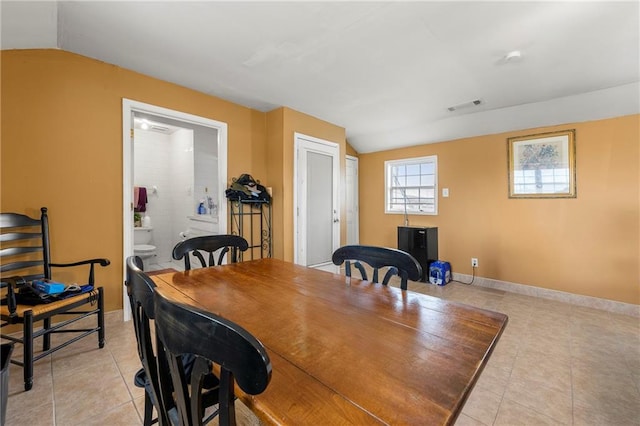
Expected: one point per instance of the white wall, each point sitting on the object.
(165, 162)
(182, 183)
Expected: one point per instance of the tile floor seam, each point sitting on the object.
(504, 391)
(555, 421)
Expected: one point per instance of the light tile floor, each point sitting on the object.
(554, 364)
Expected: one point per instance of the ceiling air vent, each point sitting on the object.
(475, 102)
(159, 129)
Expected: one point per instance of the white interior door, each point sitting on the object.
(317, 212)
(352, 207)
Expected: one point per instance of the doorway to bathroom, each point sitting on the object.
(179, 159)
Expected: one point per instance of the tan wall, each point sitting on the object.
(588, 245)
(275, 158)
(62, 148)
(351, 151)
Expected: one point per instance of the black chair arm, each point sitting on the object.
(12, 284)
(92, 262)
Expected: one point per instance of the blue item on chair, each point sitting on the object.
(439, 272)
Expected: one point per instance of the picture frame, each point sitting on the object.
(542, 165)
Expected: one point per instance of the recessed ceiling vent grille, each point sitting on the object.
(159, 129)
(473, 103)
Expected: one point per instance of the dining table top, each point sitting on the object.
(343, 350)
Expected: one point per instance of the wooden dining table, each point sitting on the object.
(346, 351)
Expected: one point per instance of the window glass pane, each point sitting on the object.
(411, 184)
(427, 180)
(413, 180)
(413, 169)
(427, 193)
(399, 171)
(413, 193)
(427, 168)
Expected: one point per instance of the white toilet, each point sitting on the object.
(141, 238)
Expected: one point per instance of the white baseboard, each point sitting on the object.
(560, 296)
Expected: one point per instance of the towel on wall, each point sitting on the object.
(136, 194)
(141, 202)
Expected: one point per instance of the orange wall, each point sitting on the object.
(589, 245)
(351, 151)
(62, 148)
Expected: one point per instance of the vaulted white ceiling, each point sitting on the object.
(385, 71)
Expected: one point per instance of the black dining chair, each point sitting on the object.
(25, 258)
(210, 244)
(240, 357)
(158, 395)
(399, 262)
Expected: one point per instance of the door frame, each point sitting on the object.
(130, 106)
(356, 194)
(299, 205)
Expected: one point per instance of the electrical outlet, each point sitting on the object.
(474, 262)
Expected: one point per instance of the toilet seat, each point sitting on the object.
(144, 249)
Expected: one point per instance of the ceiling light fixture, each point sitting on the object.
(472, 103)
(513, 56)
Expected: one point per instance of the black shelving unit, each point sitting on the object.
(421, 243)
(252, 221)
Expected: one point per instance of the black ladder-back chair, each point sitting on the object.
(239, 355)
(25, 256)
(210, 244)
(399, 262)
(140, 288)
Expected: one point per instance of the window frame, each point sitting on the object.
(388, 186)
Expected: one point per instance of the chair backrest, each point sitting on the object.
(209, 244)
(25, 246)
(399, 262)
(239, 355)
(140, 289)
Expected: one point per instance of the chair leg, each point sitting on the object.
(148, 409)
(101, 318)
(46, 337)
(226, 404)
(27, 337)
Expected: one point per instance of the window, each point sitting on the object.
(411, 185)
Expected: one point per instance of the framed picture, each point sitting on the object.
(542, 165)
